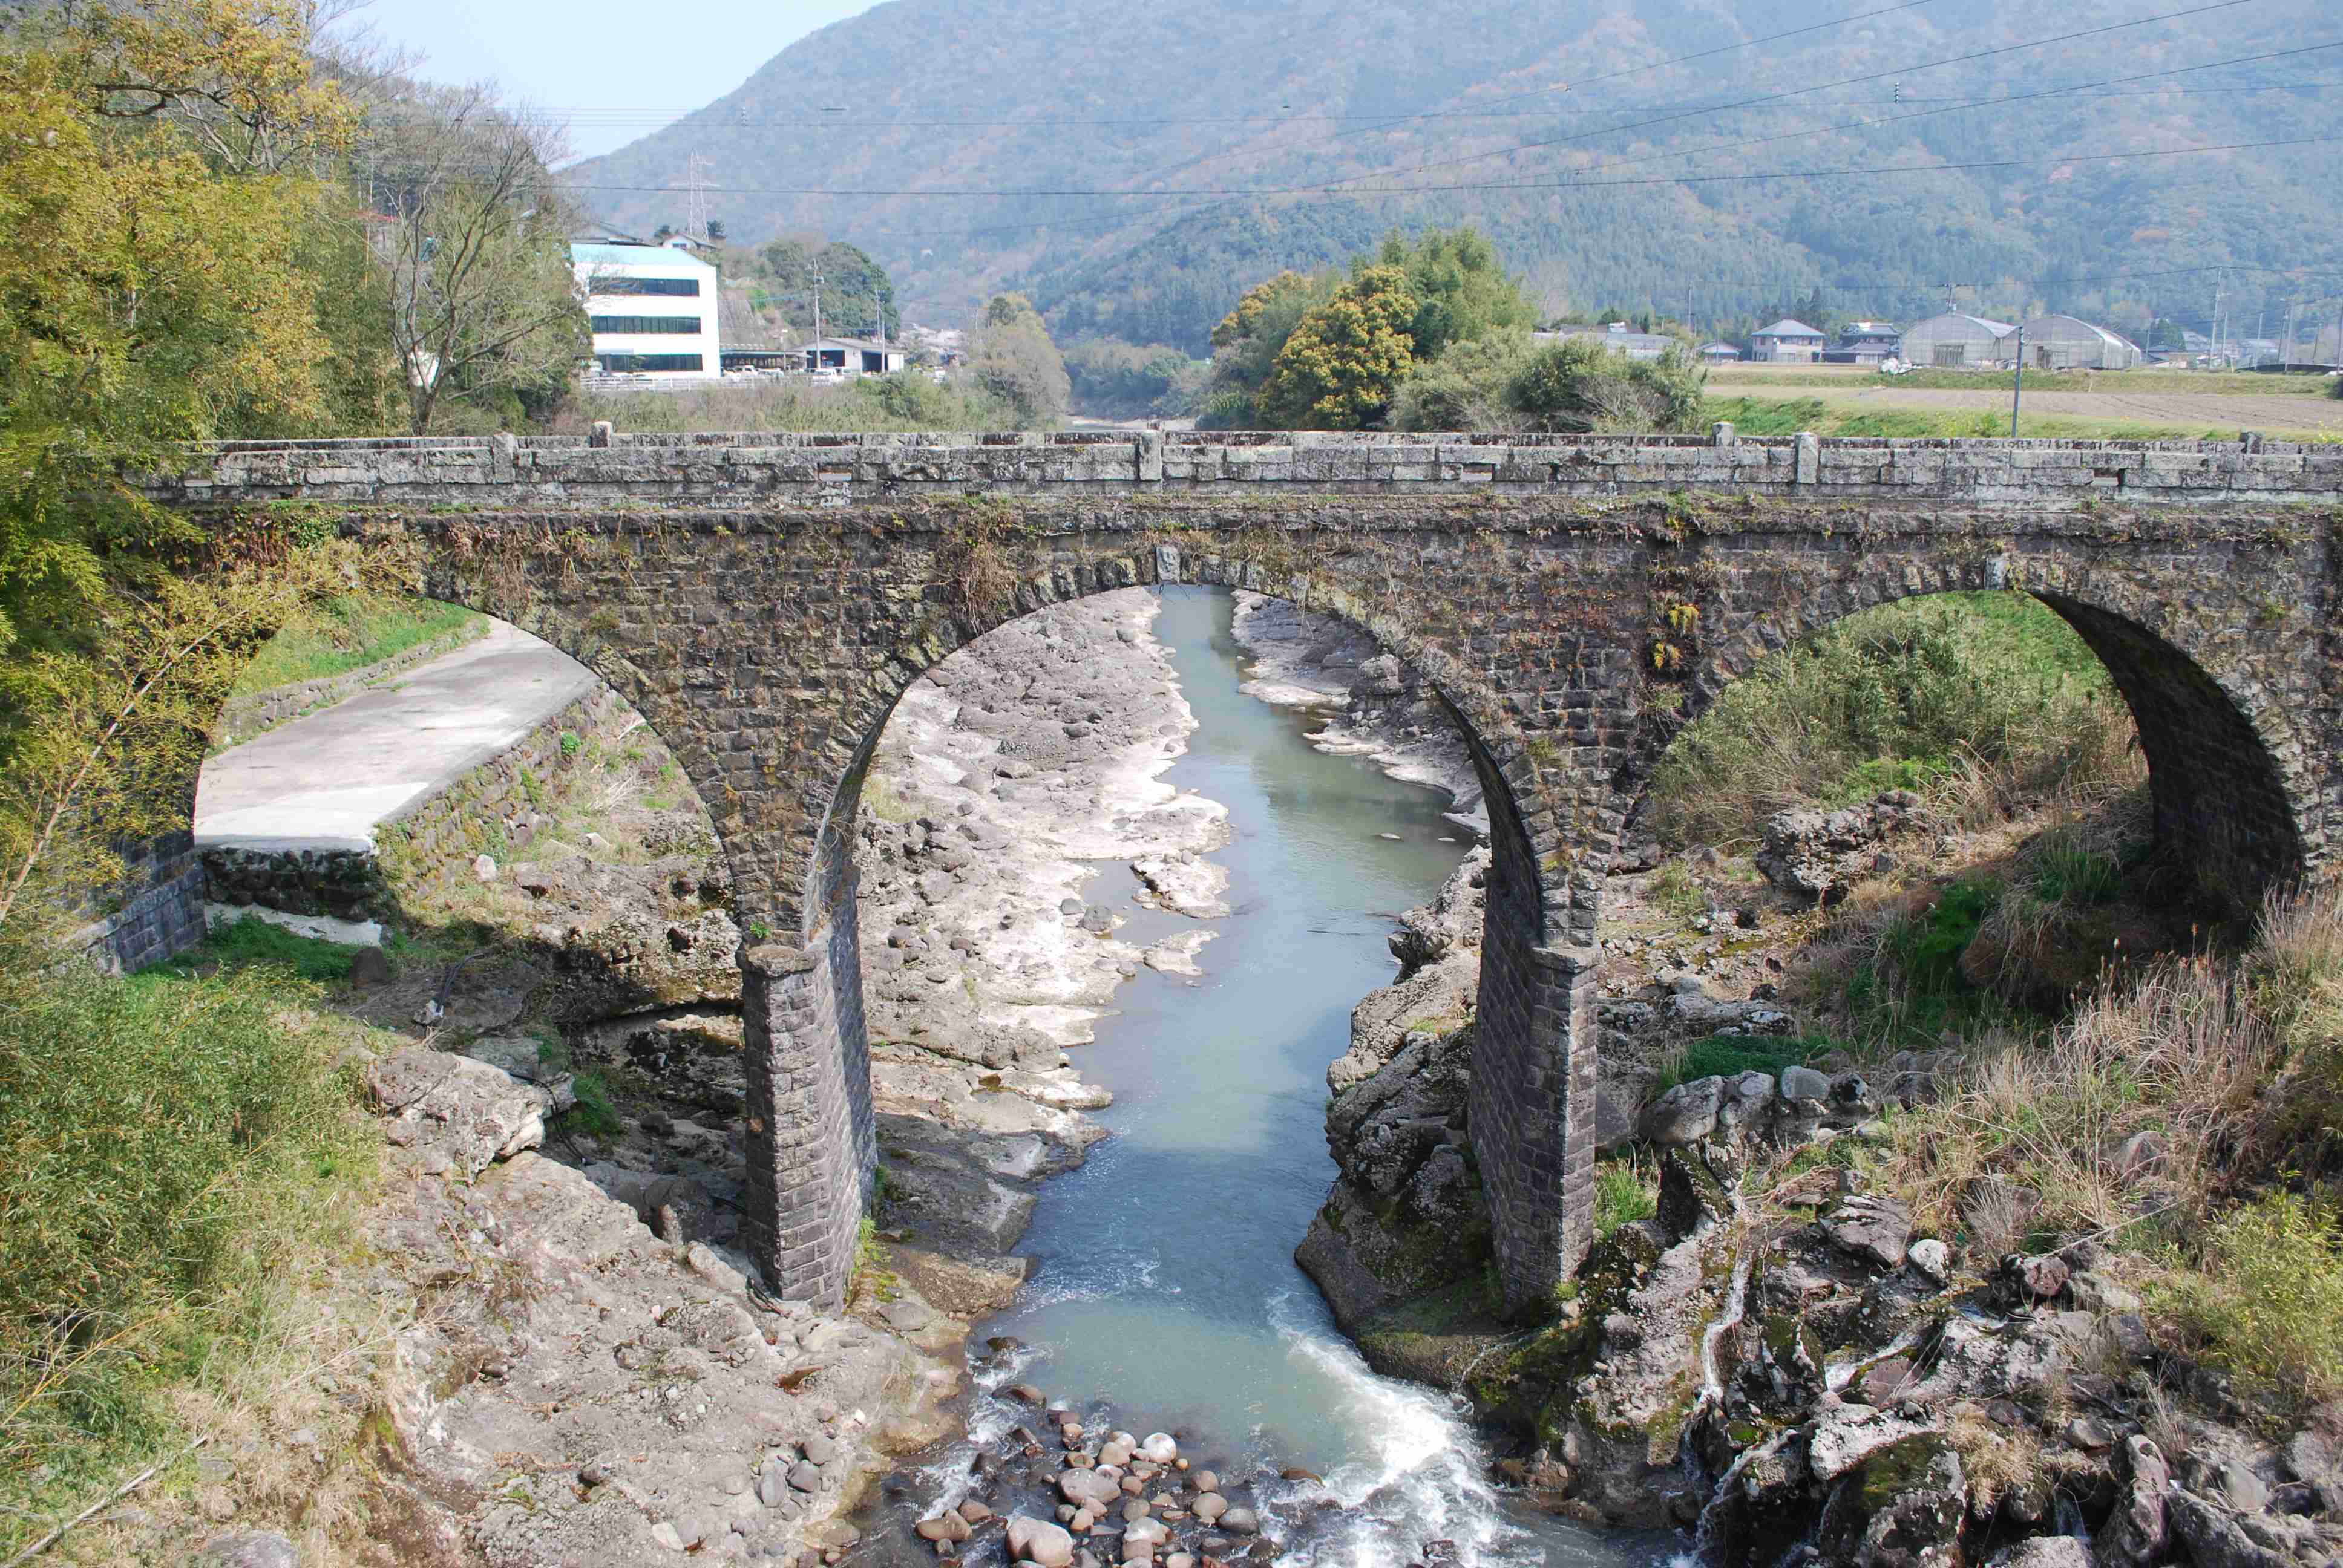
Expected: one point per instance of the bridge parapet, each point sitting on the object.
(803, 469)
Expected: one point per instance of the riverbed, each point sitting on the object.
(1163, 1295)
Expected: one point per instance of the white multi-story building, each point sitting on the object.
(653, 309)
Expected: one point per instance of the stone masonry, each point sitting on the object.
(763, 600)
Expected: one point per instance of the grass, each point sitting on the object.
(2264, 1299)
(596, 1114)
(1991, 694)
(171, 1154)
(251, 942)
(349, 633)
(1727, 1055)
(1791, 415)
(1929, 378)
(1621, 1196)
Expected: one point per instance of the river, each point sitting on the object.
(1164, 1294)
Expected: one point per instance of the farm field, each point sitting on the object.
(2134, 406)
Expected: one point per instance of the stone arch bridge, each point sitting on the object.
(764, 599)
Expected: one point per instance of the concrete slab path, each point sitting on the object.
(324, 781)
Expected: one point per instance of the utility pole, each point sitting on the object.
(878, 310)
(2017, 384)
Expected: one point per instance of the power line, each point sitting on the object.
(1817, 88)
(619, 118)
(1039, 193)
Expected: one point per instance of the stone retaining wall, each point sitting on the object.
(424, 844)
(163, 918)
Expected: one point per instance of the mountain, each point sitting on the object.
(1158, 159)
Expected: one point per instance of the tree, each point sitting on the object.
(856, 292)
(1469, 387)
(1577, 385)
(473, 250)
(716, 231)
(1461, 290)
(1125, 381)
(237, 80)
(151, 289)
(1014, 360)
(1339, 369)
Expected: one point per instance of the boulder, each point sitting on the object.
(248, 1549)
(459, 1115)
(1847, 1436)
(2138, 1533)
(1685, 1114)
(1804, 1084)
(2027, 1281)
(1877, 1228)
(2045, 1551)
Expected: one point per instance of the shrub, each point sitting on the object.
(1577, 385)
(2265, 1299)
(2179, 1054)
(166, 1146)
(1511, 381)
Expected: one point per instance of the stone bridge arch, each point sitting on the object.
(762, 598)
(1526, 1083)
(2224, 710)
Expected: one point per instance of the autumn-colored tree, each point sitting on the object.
(1339, 369)
(154, 231)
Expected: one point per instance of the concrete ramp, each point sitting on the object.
(323, 782)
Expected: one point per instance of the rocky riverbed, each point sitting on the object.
(1770, 1355)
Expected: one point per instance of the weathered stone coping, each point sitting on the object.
(500, 471)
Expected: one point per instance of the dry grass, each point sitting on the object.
(2178, 1055)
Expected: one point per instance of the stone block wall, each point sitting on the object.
(818, 470)
(161, 912)
(425, 845)
(491, 810)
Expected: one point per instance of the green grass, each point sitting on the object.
(1790, 415)
(2183, 383)
(2070, 874)
(1726, 1055)
(2265, 1301)
(1910, 991)
(596, 1114)
(172, 1158)
(251, 942)
(1621, 1196)
(350, 633)
(1891, 697)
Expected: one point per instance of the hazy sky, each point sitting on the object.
(618, 69)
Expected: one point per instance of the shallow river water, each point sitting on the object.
(1164, 1293)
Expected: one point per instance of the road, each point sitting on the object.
(326, 780)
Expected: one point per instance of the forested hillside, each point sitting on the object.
(1134, 169)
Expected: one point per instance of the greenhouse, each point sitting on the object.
(2067, 343)
(1957, 342)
